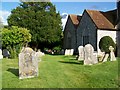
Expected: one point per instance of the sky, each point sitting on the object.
(64, 8)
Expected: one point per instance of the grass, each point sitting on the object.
(62, 72)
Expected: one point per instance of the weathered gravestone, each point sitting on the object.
(1, 56)
(66, 52)
(28, 63)
(81, 53)
(112, 55)
(69, 52)
(39, 54)
(101, 56)
(90, 56)
(6, 53)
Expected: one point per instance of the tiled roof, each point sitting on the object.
(74, 19)
(111, 16)
(100, 20)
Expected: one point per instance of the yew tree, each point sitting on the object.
(40, 18)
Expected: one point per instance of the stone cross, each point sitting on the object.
(28, 63)
(90, 56)
(81, 53)
(112, 55)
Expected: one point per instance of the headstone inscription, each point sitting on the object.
(28, 63)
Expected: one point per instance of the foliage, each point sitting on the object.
(14, 38)
(62, 72)
(40, 18)
(57, 48)
(105, 43)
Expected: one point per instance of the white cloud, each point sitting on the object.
(3, 16)
(64, 19)
(79, 14)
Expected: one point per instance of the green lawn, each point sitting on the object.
(62, 72)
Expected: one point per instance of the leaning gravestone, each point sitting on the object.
(106, 58)
(81, 53)
(1, 56)
(112, 55)
(28, 63)
(90, 56)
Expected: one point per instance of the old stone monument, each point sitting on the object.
(69, 52)
(112, 55)
(1, 56)
(81, 53)
(101, 56)
(39, 54)
(28, 63)
(90, 56)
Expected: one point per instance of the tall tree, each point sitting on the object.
(40, 18)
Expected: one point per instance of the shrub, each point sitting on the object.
(14, 38)
(57, 48)
(105, 43)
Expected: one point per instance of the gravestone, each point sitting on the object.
(6, 53)
(106, 57)
(66, 52)
(112, 55)
(90, 56)
(81, 53)
(1, 56)
(101, 56)
(69, 52)
(95, 57)
(28, 63)
(39, 54)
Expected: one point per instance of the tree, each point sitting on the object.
(105, 43)
(40, 18)
(1, 26)
(14, 38)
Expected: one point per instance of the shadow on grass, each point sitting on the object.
(14, 71)
(72, 62)
(73, 59)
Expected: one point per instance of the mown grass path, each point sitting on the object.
(62, 72)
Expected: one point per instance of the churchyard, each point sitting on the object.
(41, 55)
(59, 71)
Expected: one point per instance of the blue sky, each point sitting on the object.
(62, 7)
